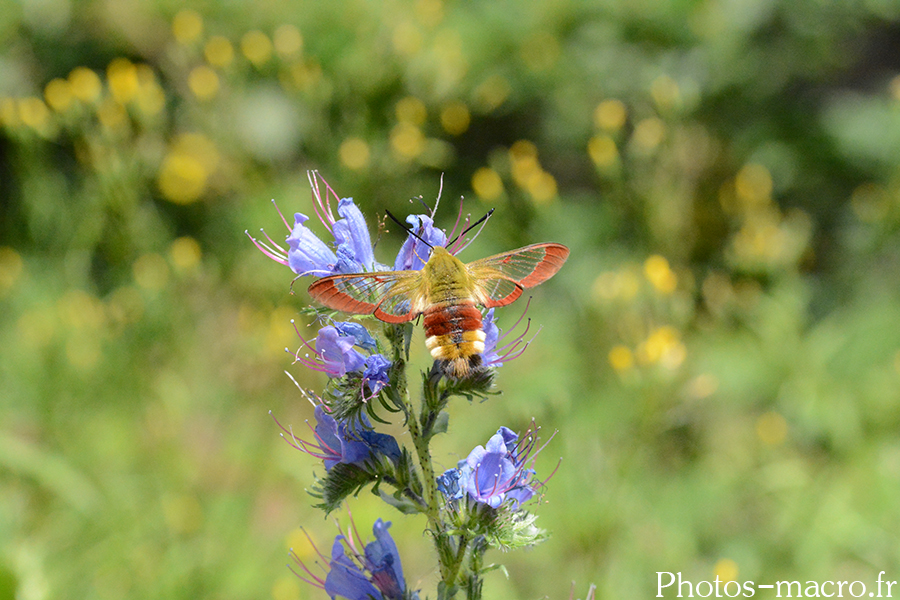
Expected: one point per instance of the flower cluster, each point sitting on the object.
(340, 443)
(335, 354)
(373, 573)
(495, 474)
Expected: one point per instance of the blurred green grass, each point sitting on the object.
(720, 355)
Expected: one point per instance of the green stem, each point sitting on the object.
(449, 566)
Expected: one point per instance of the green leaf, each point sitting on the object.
(341, 481)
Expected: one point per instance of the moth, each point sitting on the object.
(446, 291)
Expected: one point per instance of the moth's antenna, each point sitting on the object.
(407, 229)
(472, 226)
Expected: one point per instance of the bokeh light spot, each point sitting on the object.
(187, 26)
(771, 428)
(354, 153)
(122, 79)
(603, 151)
(649, 133)
(726, 570)
(257, 47)
(287, 40)
(58, 94)
(185, 253)
(487, 184)
(218, 51)
(204, 82)
(86, 85)
(455, 118)
(411, 110)
(610, 115)
(660, 275)
(407, 140)
(621, 358)
(753, 184)
(151, 272)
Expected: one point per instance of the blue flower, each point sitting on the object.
(352, 238)
(376, 372)
(359, 333)
(491, 334)
(375, 573)
(338, 442)
(307, 254)
(494, 474)
(337, 352)
(414, 253)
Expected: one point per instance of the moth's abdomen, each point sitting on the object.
(455, 336)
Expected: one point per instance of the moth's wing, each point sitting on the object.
(501, 278)
(392, 296)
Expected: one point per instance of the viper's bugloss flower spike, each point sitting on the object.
(497, 473)
(338, 442)
(375, 573)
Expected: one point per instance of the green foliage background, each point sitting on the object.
(720, 355)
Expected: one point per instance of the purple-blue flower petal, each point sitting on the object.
(345, 578)
(337, 353)
(351, 233)
(414, 252)
(376, 372)
(491, 335)
(361, 336)
(307, 254)
(384, 562)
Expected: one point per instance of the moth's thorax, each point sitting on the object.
(446, 277)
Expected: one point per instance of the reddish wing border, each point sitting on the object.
(502, 277)
(387, 294)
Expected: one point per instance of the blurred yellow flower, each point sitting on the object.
(185, 253)
(726, 570)
(649, 133)
(257, 47)
(186, 168)
(603, 151)
(658, 273)
(753, 185)
(86, 85)
(204, 82)
(487, 184)
(610, 115)
(354, 153)
(11, 268)
(218, 51)
(122, 78)
(455, 118)
(187, 26)
(621, 358)
(58, 94)
(407, 140)
(411, 110)
(287, 40)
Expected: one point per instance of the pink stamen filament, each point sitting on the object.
(277, 255)
(469, 240)
(285, 221)
(458, 217)
(317, 581)
(322, 209)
